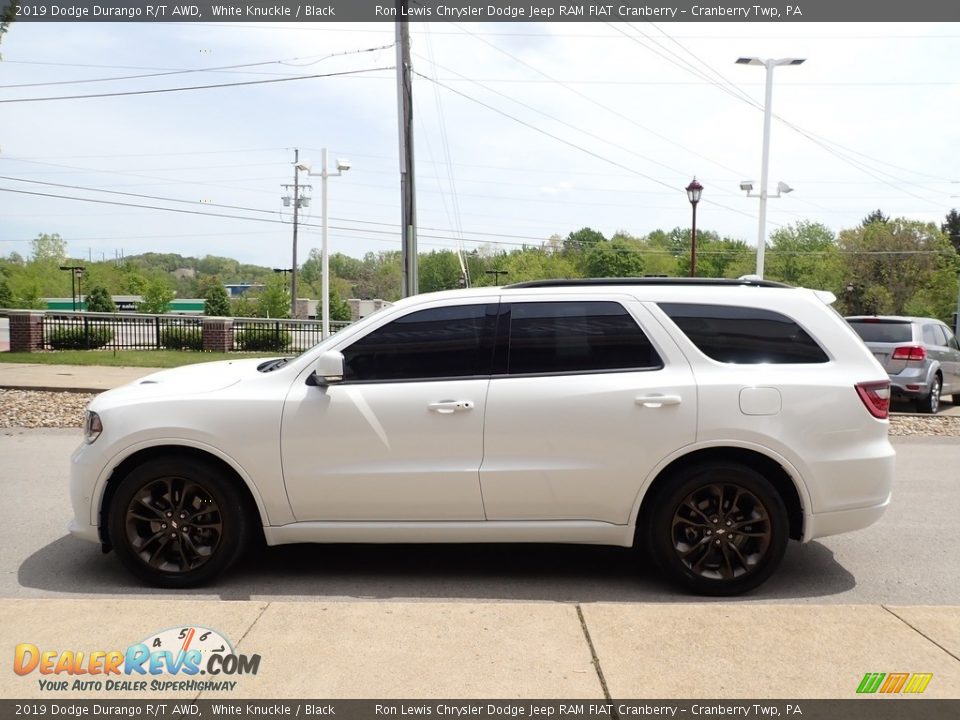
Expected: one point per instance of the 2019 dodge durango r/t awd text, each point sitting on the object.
(705, 422)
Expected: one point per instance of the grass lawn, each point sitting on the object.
(125, 358)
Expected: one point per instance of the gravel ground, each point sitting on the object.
(33, 409)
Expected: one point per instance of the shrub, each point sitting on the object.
(80, 338)
(257, 339)
(182, 338)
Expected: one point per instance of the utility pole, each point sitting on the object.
(408, 253)
(296, 201)
(296, 211)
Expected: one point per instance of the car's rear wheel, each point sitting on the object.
(931, 403)
(177, 522)
(719, 529)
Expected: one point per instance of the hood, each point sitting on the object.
(187, 380)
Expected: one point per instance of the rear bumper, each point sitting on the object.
(842, 521)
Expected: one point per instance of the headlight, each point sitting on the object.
(92, 427)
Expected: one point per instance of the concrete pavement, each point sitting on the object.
(71, 378)
(514, 650)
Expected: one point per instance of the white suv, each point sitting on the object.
(705, 421)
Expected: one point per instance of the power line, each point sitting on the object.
(343, 73)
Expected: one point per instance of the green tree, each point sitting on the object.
(806, 254)
(243, 307)
(438, 270)
(274, 299)
(903, 267)
(48, 248)
(99, 300)
(216, 299)
(8, 16)
(156, 297)
(339, 308)
(582, 240)
(951, 228)
(615, 258)
(6, 295)
(876, 216)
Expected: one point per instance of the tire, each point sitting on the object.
(158, 497)
(691, 525)
(931, 403)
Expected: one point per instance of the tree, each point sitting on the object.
(582, 240)
(48, 248)
(876, 216)
(156, 297)
(339, 309)
(903, 267)
(6, 295)
(616, 258)
(8, 16)
(806, 254)
(216, 299)
(274, 299)
(99, 300)
(951, 228)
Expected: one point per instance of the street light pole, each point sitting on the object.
(324, 252)
(694, 191)
(296, 211)
(769, 64)
(75, 271)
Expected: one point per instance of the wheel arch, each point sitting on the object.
(251, 498)
(786, 483)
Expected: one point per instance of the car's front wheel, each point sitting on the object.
(719, 529)
(177, 522)
(931, 403)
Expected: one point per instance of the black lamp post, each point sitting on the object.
(694, 190)
(75, 272)
(496, 275)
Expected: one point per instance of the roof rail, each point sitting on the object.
(696, 282)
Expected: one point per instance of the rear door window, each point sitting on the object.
(576, 337)
(744, 335)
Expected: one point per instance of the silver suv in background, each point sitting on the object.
(920, 355)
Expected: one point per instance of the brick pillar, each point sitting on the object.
(217, 334)
(26, 331)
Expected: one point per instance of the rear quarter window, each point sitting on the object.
(744, 335)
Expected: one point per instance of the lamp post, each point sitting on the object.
(75, 272)
(769, 64)
(342, 167)
(694, 191)
(496, 275)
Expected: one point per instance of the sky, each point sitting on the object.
(522, 131)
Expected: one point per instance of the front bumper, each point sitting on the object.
(85, 468)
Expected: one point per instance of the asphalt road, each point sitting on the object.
(909, 557)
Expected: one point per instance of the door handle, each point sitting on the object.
(655, 401)
(447, 407)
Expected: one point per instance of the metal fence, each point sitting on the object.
(135, 331)
(115, 331)
(258, 334)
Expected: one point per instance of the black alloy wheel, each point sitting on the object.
(719, 529)
(177, 522)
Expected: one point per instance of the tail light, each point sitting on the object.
(910, 353)
(876, 397)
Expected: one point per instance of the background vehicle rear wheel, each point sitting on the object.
(931, 403)
(719, 529)
(177, 522)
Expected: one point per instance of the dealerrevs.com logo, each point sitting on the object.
(167, 661)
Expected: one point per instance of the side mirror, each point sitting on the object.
(328, 369)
